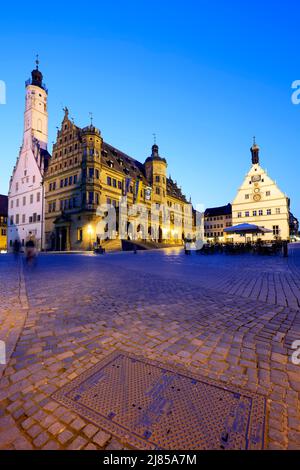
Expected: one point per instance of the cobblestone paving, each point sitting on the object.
(231, 318)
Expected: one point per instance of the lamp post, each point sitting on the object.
(90, 231)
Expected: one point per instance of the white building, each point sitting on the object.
(26, 193)
(260, 201)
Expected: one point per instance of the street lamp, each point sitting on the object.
(90, 231)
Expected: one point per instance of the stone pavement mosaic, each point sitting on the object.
(228, 318)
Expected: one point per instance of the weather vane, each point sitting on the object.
(154, 138)
(254, 141)
(37, 61)
(91, 117)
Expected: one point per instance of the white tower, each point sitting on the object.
(26, 194)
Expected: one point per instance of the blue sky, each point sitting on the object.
(204, 76)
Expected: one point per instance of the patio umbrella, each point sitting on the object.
(243, 229)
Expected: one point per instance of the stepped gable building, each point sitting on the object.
(260, 201)
(3, 222)
(85, 172)
(215, 220)
(25, 197)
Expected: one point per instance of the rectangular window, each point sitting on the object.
(17, 203)
(120, 184)
(114, 183)
(97, 174)
(17, 219)
(75, 179)
(31, 198)
(260, 212)
(239, 215)
(246, 196)
(30, 219)
(247, 214)
(33, 179)
(79, 234)
(38, 197)
(70, 180)
(109, 181)
(277, 210)
(157, 179)
(24, 200)
(91, 197)
(23, 219)
(11, 220)
(254, 213)
(269, 211)
(275, 230)
(66, 182)
(11, 204)
(268, 193)
(61, 183)
(34, 217)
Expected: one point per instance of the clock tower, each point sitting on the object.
(259, 201)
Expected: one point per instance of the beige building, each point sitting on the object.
(215, 220)
(260, 201)
(85, 172)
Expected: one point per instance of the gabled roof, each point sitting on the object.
(174, 191)
(118, 160)
(221, 210)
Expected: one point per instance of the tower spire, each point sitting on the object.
(37, 61)
(254, 152)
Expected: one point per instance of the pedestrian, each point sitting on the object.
(16, 247)
(30, 251)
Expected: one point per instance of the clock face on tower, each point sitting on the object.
(257, 197)
(255, 178)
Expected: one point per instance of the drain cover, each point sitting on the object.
(151, 406)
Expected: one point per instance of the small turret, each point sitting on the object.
(255, 152)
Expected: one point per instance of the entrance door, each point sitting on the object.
(61, 239)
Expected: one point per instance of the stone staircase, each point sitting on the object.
(111, 246)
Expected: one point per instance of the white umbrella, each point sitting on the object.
(243, 229)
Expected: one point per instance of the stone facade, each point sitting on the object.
(86, 172)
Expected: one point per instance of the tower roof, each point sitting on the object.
(254, 152)
(36, 77)
(155, 155)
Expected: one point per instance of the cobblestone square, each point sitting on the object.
(228, 318)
